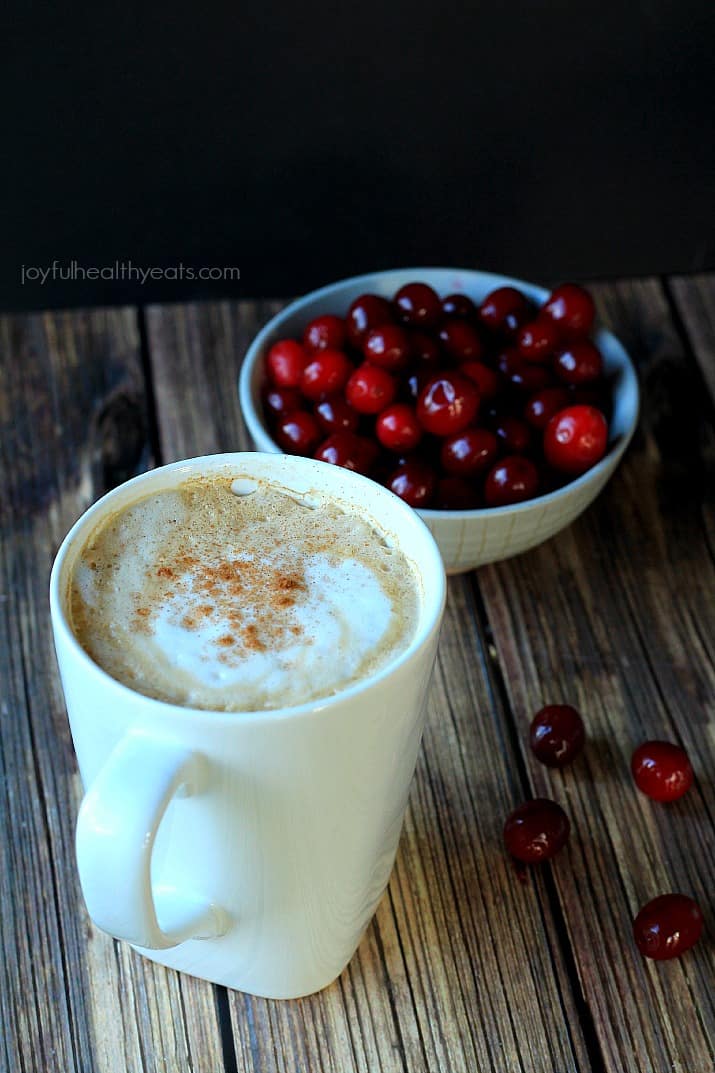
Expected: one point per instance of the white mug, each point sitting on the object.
(247, 848)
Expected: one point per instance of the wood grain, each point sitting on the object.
(617, 616)
(462, 967)
(73, 422)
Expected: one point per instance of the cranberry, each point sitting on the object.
(662, 770)
(417, 382)
(523, 375)
(326, 372)
(298, 433)
(448, 403)
(468, 452)
(542, 406)
(572, 310)
(536, 831)
(485, 378)
(387, 346)
(667, 926)
(575, 439)
(580, 364)
(285, 363)
(459, 305)
(397, 427)
(325, 333)
(370, 389)
(513, 434)
(455, 493)
(504, 311)
(460, 340)
(537, 340)
(424, 349)
(557, 734)
(418, 305)
(334, 415)
(414, 481)
(282, 400)
(366, 312)
(512, 480)
(346, 449)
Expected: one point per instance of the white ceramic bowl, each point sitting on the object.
(466, 538)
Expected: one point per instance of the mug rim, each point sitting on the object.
(428, 566)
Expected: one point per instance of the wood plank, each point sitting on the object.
(617, 616)
(695, 302)
(461, 968)
(73, 422)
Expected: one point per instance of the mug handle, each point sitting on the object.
(116, 829)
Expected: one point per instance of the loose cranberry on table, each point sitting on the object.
(504, 310)
(575, 439)
(468, 452)
(447, 404)
(557, 734)
(370, 389)
(580, 364)
(418, 305)
(414, 481)
(333, 414)
(326, 372)
(662, 770)
(285, 363)
(572, 310)
(460, 340)
(397, 427)
(298, 433)
(512, 480)
(544, 404)
(536, 831)
(367, 311)
(537, 340)
(325, 333)
(387, 346)
(667, 926)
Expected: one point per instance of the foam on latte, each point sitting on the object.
(212, 599)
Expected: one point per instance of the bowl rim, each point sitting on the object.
(604, 467)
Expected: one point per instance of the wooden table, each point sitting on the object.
(465, 967)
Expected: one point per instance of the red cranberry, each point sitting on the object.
(397, 427)
(370, 389)
(572, 310)
(523, 375)
(325, 333)
(326, 372)
(387, 346)
(285, 363)
(414, 481)
(662, 770)
(557, 734)
(347, 450)
(504, 311)
(537, 340)
(366, 312)
(279, 401)
(513, 434)
(424, 349)
(667, 926)
(580, 364)
(575, 439)
(460, 340)
(455, 493)
(334, 415)
(298, 433)
(459, 305)
(536, 831)
(448, 403)
(468, 452)
(418, 305)
(542, 406)
(512, 480)
(417, 382)
(485, 378)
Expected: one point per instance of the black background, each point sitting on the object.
(304, 144)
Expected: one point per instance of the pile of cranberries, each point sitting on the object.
(449, 404)
(666, 926)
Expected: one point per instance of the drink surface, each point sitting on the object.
(240, 602)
